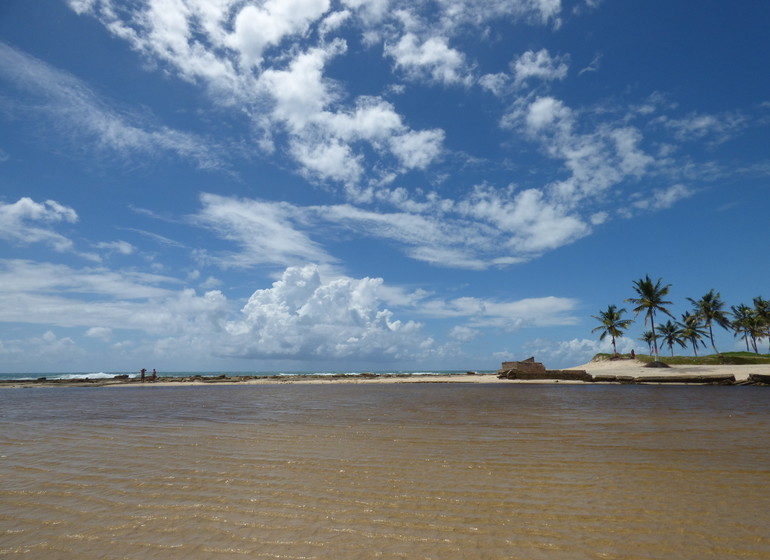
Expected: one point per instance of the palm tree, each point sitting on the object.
(762, 309)
(746, 324)
(651, 300)
(692, 330)
(612, 323)
(672, 334)
(709, 309)
(648, 337)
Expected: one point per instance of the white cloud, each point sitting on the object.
(509, 315)
(417, 149)
(265, 231)
(494, 83)
(102, 300)
(430, 59)
(265, 62)
(121, 247)
(540, 65)
(596, 160)
(719, 127)
(662, 199)
(304, 316)
(544, 112)
(47, 348)
(463, 334)
(258, 27)
(102, 333)
(77, 111)
(593, 65)
(26, 221)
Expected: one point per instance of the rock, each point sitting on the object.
(705, 379)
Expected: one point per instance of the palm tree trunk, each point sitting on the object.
(711, 335)
(654, 338)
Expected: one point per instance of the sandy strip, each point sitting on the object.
(635, 368)
(624, 367)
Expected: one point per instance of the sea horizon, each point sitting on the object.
(94, 375)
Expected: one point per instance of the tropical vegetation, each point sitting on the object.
(612, 324)
(750, 323)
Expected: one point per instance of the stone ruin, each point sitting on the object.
(530, 369)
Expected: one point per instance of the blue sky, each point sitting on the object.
(370, 184)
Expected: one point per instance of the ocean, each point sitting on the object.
(161, 374)
(357, 471)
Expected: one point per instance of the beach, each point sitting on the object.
(621, 368)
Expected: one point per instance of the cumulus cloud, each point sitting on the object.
(26, 221)
(595, 160)
(432, 58)
(269, 61)
(259, 27)
(304, 316)
(540, 65)
(263, 62)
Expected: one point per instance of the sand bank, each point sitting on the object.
(603, 369)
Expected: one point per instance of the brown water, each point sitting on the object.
(385, 471)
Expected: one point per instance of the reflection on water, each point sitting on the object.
(366, 471)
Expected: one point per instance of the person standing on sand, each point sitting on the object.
(143, 372)
(154, 375)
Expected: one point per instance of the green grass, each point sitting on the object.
(726, 358)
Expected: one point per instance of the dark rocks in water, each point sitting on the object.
(549, 374)
(656, 365)
(759, 379)
(609, 378)
(122, 376)
(704, 379)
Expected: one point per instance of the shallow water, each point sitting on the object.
(385, 471)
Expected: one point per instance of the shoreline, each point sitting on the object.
(603, 372)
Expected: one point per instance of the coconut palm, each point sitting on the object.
(671, 334)
(647, 337)
(709, 310)
(651, 300)
(612, 323)
(762, 308)
(693, 331)
(746, 324)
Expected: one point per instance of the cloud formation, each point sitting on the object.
(26, 221)
(76, 110)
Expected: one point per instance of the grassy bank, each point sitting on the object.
(727, 358)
